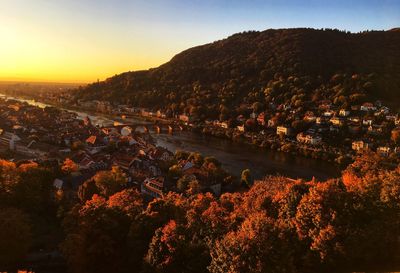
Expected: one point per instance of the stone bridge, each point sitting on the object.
(156, 127)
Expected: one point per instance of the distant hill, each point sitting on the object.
(267, 66)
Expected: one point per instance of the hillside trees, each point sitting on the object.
(291, 66)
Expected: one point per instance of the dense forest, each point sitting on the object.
(278, 225)
(268, 66)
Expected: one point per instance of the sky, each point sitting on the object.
(85, 40)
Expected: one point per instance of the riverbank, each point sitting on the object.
(268, 140)
(233, 154)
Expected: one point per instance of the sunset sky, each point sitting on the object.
(86, 40)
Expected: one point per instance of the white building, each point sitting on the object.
(309, 139)
(383, 150)
(360, 145)
(344, 112)
(283, 130)
(240, 128)
(8, 139)
(367, 107)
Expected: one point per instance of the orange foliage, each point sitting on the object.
(28, 166)
(69, 166)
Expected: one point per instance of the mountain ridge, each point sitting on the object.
(230, 69)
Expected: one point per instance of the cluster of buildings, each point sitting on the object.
(369, 126)
(30, 132)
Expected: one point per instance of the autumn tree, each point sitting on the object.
(8, 180)
(96, 238)
(396, 135)
(69, 166)
(321, 219)
(129, 201)
(172, 249)
(196, 158)
(35, 187)
(258, 246)
(157, 214)
(183, 183)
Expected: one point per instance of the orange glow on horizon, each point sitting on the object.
(43, 54)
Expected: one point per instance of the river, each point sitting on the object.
(233, 156)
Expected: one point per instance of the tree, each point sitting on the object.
(87, 190)
(35, 186)
(396, 135)
(173, 250)
(157, 214)
(322, 219)
(258, 246)
(96, 238)
(69, 166)
(246, 178)
(179, 155)
(110, 182)
(8, 180)
(174, 172)
(196, 158)
(250, 124)
(194, 187)
(183, 183)
(129, 201)
(15, 236)
(211, 159)
(299, 125)
(77, 145)
(257, 107)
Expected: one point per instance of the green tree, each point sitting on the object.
(183, 183)
(110, 182)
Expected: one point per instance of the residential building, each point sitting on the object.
(337, 121)
(153, 187)
(344, 113)
(8, 140)
(285, 130)
(383, 150)
(309, 139)
(360, 145)
(367, 107)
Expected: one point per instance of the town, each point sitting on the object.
(323, 130)
(58, 136)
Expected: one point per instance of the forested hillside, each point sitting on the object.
(267, 66)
